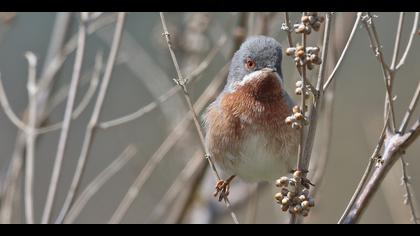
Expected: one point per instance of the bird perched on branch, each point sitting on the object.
(246, 133)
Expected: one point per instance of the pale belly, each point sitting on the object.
(257, 162)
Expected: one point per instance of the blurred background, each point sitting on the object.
(144, 71)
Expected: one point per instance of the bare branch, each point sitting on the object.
(377, 51)
(66, 122)
(30, 138)
(164, 97)
(343, 53)
(394, 147)
(98, 182)
(397, 40)
(90, 130)
(182, 83)
(410, 110)
(8, 109)
(408, 192)
(288, 28)
(163, 149)
(410, 41)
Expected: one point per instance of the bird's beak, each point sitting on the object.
(269, 69)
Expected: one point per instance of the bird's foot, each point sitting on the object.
(222, 188)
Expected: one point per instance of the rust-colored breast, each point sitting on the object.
(256, 106)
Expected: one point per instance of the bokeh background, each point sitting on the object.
(144, 71)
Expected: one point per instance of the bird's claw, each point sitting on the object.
(222, 188)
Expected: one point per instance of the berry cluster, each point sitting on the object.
(302, 56)
(309, 20)
(291, 197)
(297, 120)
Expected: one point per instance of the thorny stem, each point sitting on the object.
(182, 83)
(93, 122)
(408, 193)
(66, 122)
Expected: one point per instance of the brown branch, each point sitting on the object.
(408, 192)
(394, 147)
(182, 83)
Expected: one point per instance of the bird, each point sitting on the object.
(246, 134)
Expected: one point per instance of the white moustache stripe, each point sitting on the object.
(254, 75)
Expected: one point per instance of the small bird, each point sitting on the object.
(246, 133)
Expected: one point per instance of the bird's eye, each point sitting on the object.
(250, 64)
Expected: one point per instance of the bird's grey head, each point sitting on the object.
(255, 54)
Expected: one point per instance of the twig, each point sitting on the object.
(313, 116)
(160, 153)
(288, 28)
(11, 185)
(405, 179)
(410, 110)
(87, 97)
(373, 158)
(30, 138)
(182, 83)
(93, 122)
(66, 122)
(182, 180)
(410, 41)
(394, 147)
(397, 41)
(98, 182)
(377, 50)
(343, 53)
(164, 97)
(8, 109)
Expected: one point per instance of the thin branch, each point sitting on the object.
(182, 83)
(288, 28)
(164, 97)
(313, 116)
(183, 179)
(410, 41)
(30, 138)
(397, 40)
(163, 149)
(8, 109)
(66, 122)
(373, 158)
(408, 192)
(410, 110)
(394, 147)
(343, 53)
(377, 50)
(93, 122)
(87, 97)
(98, 182)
